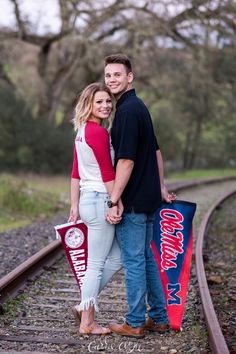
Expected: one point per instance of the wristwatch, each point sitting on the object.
(110, 204)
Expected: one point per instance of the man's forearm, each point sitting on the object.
(124, 169)
(164, 191)
(160, 164)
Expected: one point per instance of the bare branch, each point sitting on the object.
(20, 22)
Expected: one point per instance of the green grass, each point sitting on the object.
(27, 197)
(12, 306)
(7, 223)
(24, 199)
(56, 185)
(198, 174)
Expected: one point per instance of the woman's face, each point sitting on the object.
(101, 106)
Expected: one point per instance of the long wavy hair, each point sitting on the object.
(84, 106)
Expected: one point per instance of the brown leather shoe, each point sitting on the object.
(125, 330)
(156, 327)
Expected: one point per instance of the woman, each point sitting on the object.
(91, 185)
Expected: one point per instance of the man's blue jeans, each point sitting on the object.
(142, 278)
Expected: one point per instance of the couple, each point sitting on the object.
(126, 197)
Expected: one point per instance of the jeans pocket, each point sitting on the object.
(88, 211)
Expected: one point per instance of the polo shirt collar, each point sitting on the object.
(125, 96)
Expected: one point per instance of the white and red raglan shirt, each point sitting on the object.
(93, 157)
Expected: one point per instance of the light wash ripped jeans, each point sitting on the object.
(104, 258)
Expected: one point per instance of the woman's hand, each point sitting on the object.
(113, 216)
(74, 214)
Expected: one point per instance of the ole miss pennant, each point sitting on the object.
(172, 248)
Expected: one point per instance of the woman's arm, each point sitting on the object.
(75, 193)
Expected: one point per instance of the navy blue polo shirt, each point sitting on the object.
(133, 138)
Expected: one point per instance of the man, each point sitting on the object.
(140, 184)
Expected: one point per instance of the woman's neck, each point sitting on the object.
(95, 120)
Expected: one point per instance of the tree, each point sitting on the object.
(177, 48)
(85, 24)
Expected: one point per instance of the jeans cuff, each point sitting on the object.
(161, 321)
(86, 304)
(136, 325)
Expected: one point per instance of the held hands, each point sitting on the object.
(113, 215)
(166, 196)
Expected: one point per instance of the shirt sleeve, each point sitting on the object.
(98, 139)
(128, 137)
(75, 167)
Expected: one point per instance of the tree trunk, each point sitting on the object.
(53, 89)
(195, 143)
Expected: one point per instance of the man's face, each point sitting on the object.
(117, 79)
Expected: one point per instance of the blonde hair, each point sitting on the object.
(83, 108)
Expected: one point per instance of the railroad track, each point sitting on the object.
(216, 337)
(39, 320)
(17, 245)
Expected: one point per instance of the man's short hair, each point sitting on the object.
(119, 59)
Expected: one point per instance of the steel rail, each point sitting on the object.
(182, 185)
(217, 340)
(17, 279)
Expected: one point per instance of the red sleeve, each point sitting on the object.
(98, 139)
(75, 167)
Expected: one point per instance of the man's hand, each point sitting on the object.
(113, 215)
(120, 207)
(166, 196)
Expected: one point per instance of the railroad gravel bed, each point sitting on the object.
(18, 245)
(220, 261)
(41, 321)
(45, 312)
